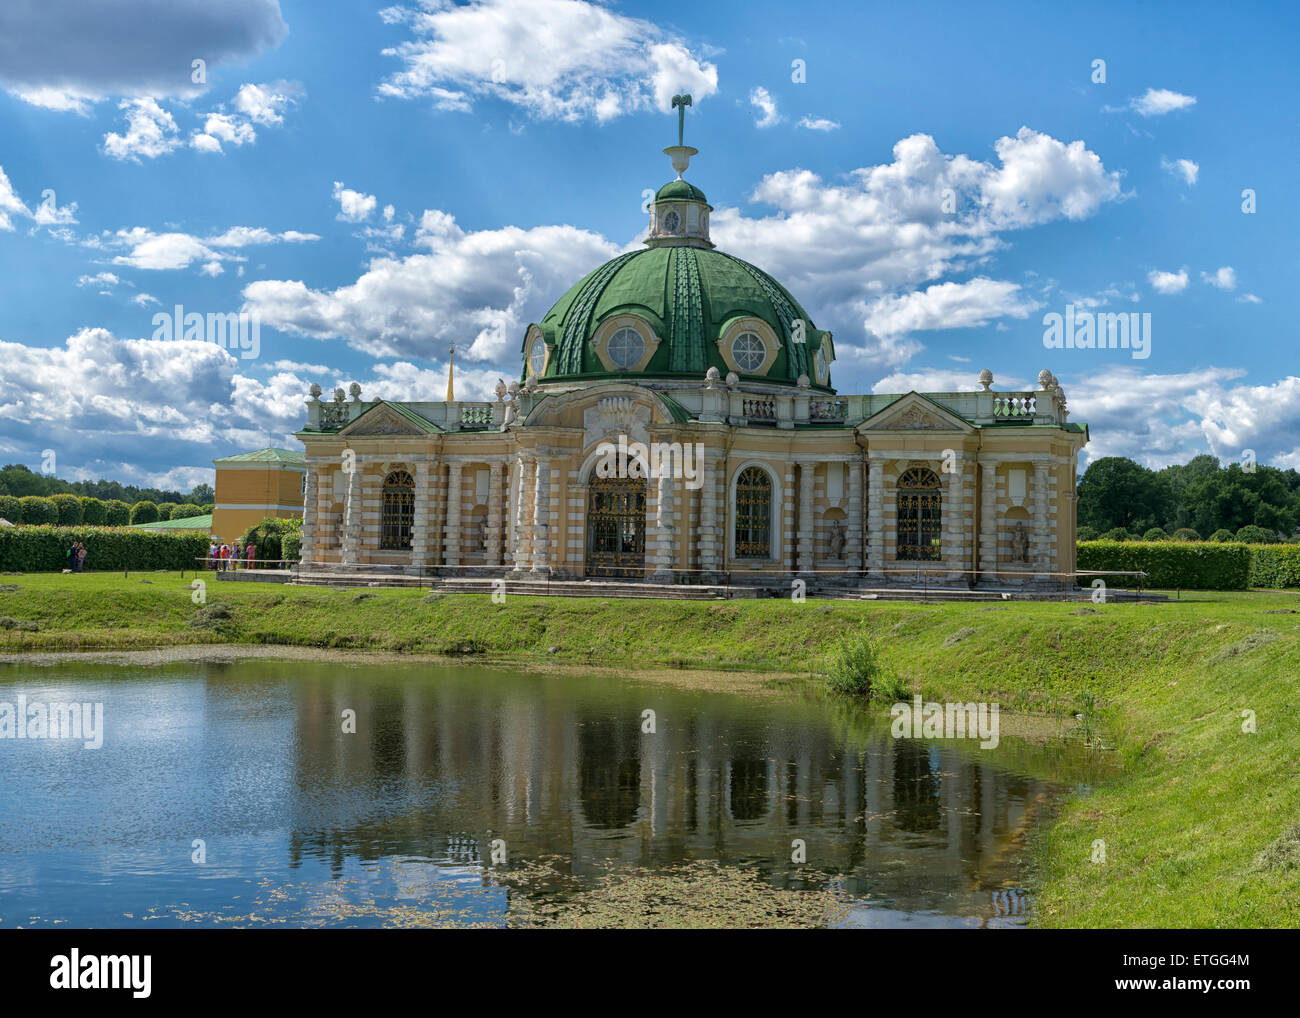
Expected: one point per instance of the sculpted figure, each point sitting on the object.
(1020, 542)
(837, 540)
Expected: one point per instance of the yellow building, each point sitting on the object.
(254, 485)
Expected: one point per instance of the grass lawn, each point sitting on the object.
(1201, 829)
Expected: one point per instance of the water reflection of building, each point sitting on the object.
(439, 768)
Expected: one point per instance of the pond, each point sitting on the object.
(236, 793)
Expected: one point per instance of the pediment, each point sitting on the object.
(915, 412)
(385, 419)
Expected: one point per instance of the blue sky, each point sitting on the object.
(376, 182)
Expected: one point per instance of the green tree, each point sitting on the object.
(93, 511)
(38, 510)
(71, 513)
(144, 512)
(1116, 492)
(116, 513)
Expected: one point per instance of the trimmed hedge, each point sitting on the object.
(11, 509)
(144, 512)
(1174, 565)
(93, 512)
(45, 549)
(38, 510)
(116, 513)
(1275, 566)
(71, 513)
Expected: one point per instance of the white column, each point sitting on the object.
(350, 546)
(853, 521)
(664, 530)
(806, 530)
(420, 521)
(708, 536)
(876, 519)
(542, 516)
(1042, 552)
(494, 515)
(521, 525)
(988, 543)
(309, 514)
(954, 538)
(451, 530)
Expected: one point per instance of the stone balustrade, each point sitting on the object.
(750, 403)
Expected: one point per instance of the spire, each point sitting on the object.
(681, 153)
(451, 370)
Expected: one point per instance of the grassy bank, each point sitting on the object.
(1199, 830)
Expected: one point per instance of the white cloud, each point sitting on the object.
(1184, 168)
(941, 306)
(265, 104)
(1250, 298)
(819, 124)
(853, 249)
(67, 54)
(174, 250)
(145, 299)
(354, 207)
(1162, 419)
(1168, 282)
(478, 289)
(945, 380)
(762, 101)
(529, 55)
(103, 402)
(222, 127)
(47, 213)
(1155, 102)
(150, 132)
(107, 279)
(59, 100)
(1225, 278)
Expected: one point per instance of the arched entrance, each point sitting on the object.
(616, 527)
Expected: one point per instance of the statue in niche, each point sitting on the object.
(483, 534)
(1020, 543)
(837, 540)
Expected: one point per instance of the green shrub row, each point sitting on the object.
(77, 510)
(1275, 566)
(38, 549)
(1173, 565)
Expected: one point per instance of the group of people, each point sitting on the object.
(76, 556)
(223, 556)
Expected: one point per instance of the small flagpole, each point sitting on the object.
(451, 369)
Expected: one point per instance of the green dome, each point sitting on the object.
(682, 190)
(688, 297)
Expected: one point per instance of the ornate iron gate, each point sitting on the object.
(616, 527)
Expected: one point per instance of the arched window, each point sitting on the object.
(398, 513)
(920, 515)
(753, 514)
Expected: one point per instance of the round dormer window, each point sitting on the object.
(672, 221)
(749, 352)
(625, 348)
(537, 356)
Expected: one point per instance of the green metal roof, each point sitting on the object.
(188, 523)
(687, 295)
(288, 457)
(680, 190)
